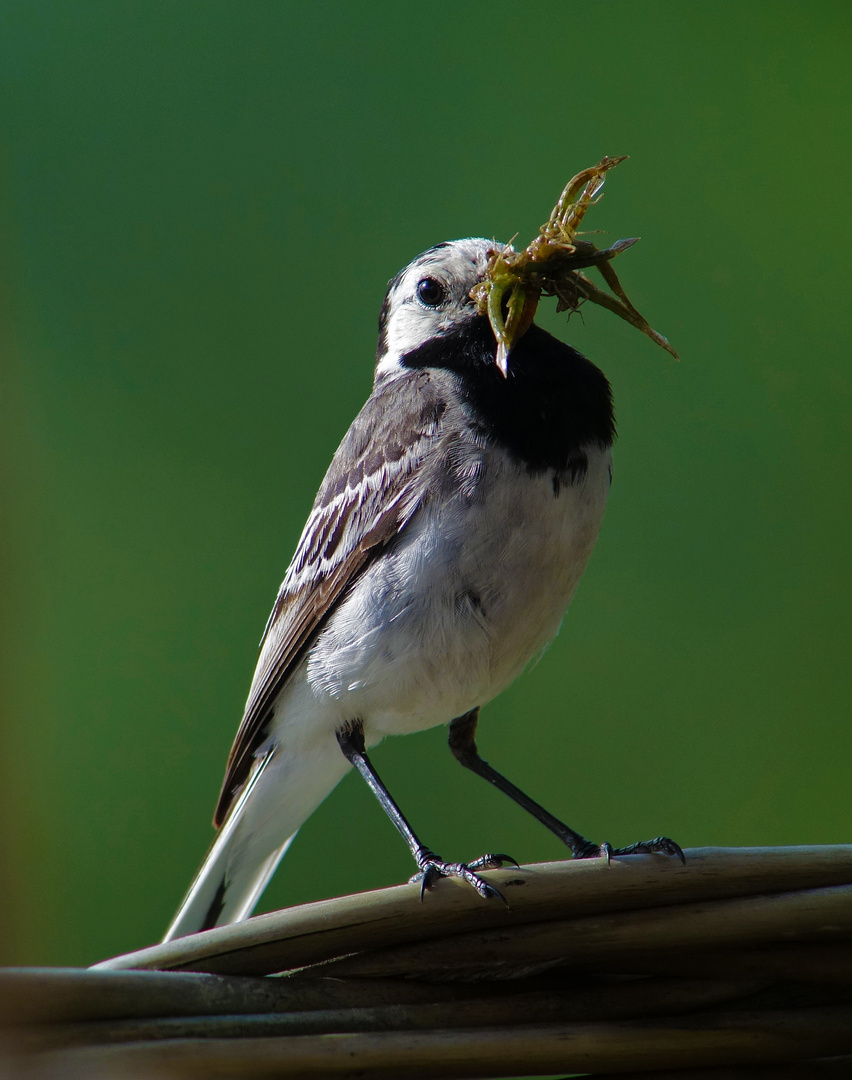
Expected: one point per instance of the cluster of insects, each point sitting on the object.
(553, 264)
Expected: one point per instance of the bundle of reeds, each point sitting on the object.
(737, 964)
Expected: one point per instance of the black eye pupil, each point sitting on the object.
(430, 292)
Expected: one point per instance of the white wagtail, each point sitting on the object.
(443, 548)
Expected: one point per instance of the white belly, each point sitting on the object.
(472, 591)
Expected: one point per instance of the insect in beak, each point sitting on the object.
(520, 311)
(552, 264)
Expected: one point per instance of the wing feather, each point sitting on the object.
(369, 492)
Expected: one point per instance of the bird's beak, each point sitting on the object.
(520, 311)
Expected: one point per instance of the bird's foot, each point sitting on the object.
(433, 867)
(662, 845)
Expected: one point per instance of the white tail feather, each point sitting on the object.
(283, 789)
(212, 883)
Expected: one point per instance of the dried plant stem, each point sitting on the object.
(329, 929)
(739, 960)
(606, 942)
(714, 1040)
(614, 1000)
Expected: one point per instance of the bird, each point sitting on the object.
(443, 548)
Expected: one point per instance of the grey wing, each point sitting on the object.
(369, 493)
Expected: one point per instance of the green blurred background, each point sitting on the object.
(201, 203)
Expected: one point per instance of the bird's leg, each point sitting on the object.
(431, 866)
(463, 745)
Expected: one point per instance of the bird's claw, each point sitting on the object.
(433, 867)
(662, 845)
(492, 862)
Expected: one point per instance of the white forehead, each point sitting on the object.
(461, 262)
(458, 265)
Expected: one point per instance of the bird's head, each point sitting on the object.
(456, 301)
(428, 308)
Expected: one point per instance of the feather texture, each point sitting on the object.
(368, 494)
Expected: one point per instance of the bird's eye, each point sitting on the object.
(431, 292)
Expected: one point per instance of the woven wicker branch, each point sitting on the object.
(740, 960)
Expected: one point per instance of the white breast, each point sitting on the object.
(472, 590)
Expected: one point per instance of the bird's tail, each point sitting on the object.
(281, 792)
